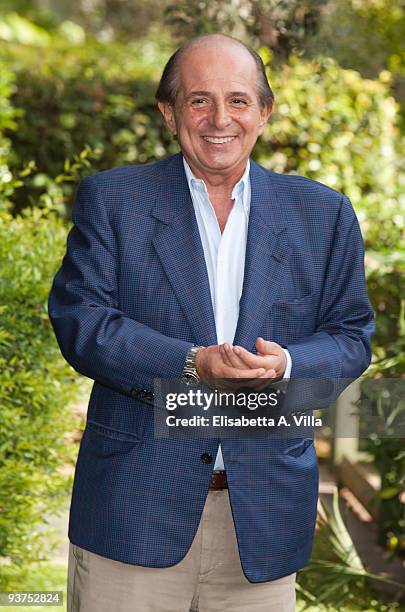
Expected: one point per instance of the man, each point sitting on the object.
(203, 265)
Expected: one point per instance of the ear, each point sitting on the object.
(265, 113)
(167, 111)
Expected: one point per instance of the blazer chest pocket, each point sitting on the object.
(292, 319)
(294, 303)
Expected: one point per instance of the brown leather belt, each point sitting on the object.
(218, 480)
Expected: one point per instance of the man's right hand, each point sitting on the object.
(216, 373)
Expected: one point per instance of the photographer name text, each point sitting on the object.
(242, 421)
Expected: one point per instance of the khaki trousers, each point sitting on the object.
(208, 579)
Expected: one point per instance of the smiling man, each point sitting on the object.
(203, 266)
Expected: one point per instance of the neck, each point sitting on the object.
(218, 183)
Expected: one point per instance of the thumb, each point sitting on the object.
(265, 346)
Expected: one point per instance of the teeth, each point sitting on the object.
(218, 140)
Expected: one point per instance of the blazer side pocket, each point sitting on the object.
(112, 434)
(297, 450)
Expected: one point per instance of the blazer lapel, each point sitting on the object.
(181, 253)
(267, 252)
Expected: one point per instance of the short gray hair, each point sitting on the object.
(169, 83)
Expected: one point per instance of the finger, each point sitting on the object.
(250, 373)
(264, 382)
(225, 355)
(269, 374)
(249, 359)
(235, 359)
(267, 347)
(272, 362)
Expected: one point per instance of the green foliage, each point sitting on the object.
(385, 283)
(71, 98)
(7, 122)
(284, 26)
(21, 30)
(389, 457)
(37, 388)
(336, 127)
(191, 18)
(367, 35)
(43, 576)
(107, 20)
(336, 578)
(388, 454)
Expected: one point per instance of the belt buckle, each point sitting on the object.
(218, 480)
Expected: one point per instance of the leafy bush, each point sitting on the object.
(7, 121)
(335, 578)
(334, 126)
(72, 97)
(37, 388)
(388, 403)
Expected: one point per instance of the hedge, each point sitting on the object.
(72, 97)
(37, 389)
(7, 122)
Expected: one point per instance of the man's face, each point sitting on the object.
(217, 116)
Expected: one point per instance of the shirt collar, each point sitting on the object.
(241, 189)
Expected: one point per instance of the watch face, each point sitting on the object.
(189, 378)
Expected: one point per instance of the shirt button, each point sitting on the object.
(206, 457)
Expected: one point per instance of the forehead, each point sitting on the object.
(227, 66)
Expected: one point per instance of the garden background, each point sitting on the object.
(77, 83)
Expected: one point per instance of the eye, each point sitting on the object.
(239, 102)
(198, 102)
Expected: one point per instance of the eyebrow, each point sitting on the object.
(208, 94)
(198, 93)
(240, 94)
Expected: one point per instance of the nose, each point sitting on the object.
(220, 116)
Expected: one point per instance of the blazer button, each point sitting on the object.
(206, 457)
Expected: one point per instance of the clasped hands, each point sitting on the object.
(233, 367)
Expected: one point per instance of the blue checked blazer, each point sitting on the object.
(130, 298)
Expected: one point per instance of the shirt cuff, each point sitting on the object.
(287, 372)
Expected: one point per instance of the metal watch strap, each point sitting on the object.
(189, 374)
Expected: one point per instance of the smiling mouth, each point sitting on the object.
(222, 140)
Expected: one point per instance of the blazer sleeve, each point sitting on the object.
(341, 344)
(94, 335)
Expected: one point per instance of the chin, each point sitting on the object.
(222, 164)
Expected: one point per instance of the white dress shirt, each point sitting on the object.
(224, 257)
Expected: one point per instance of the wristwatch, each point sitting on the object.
(189, 375)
